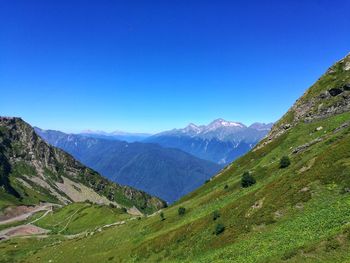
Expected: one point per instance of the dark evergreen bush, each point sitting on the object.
(162, 217)
(247, 180)
(219, 229)
(284, 162)
(216, 215)
(181, 211)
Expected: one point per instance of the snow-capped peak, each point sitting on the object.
(218, 123)
(192, 128)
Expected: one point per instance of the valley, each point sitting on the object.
(286, 200)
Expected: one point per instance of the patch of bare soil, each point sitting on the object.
(14, 211)
(22, 230)
(26, 230)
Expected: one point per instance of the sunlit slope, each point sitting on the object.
(300, 213)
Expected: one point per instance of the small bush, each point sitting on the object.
(284, 162)
(216, 215)
(124, 210)
(112, 205)
(162, 217)
(226, 187)
(247, 180)
(219, 229)
(207, 181)
(332, 244)
(181, 211)
(290, 254)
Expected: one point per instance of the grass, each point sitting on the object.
(79, 217)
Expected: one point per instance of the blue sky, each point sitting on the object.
(150, 65)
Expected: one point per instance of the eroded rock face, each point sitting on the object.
(347, 66)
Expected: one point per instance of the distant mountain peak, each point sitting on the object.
(192, 128)
(223, 123)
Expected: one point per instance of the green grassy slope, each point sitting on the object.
(79, 217)
(296, 214)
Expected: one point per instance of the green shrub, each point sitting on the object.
(247, 180)
(332, 244)
(124, 210)
(289, 254)
(219, 229)
(216, 215)
(226, 187)
(284, 162)
(181, 211)
(162, 217)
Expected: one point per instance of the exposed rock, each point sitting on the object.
(347, 66)
(278, 214)
(324, 95)
(299, 205)
(343, 126)
(305, 189)
(306, 145)
(308, 166)
(319, 128)
(256, 206)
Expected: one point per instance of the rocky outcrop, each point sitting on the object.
(329, 96)
(306, 145)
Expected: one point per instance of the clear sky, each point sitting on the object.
(150, 65)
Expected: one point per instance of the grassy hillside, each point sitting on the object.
(297, 213)
(79, 217)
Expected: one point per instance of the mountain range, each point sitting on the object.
(116, 135)
(220, 141)
(164, 172)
